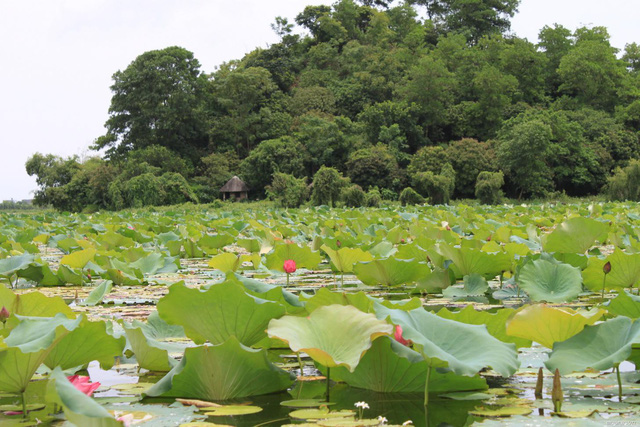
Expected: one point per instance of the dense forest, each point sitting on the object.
(367, 100)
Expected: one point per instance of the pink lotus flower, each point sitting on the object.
(289, 266)
(398, 336)
(82, 383)
(4, 314)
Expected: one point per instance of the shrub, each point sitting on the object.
(410, 197)
(373, 198)
(488, 187)
(353, 196)
(440, 187)
(388, 194)
(372, 166)
(287, 190)
(625, 183)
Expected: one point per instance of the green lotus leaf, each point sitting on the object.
(225, 262)
(601, 347)
(98, 294)
(267, 292)
(390, 271)
(474, 285)
(625, 271)
(390, 367)
(548, 325)
(222, 311)
(215, 241)
(444, 343)
(156, 328)
(495, 322)
(324, 297)
(468, 261)
(120, 277)
(575, 235)
(79, 409)
(78, 259)
(625, 304)
(303, 256)
(33, 304)
(231, 410)
(88, 342)
(26, 348)
(150, 354)
(436, 281)
(12, 264)
(220, 372)
(344, 259)
(40, 274)
(333, 335)
(549, 281)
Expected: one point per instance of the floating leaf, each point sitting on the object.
(547, 281)
(502, 411)
(98, 294)
(333, 335)
(231, 410)
(222, 311)
(222, 372)
(320, 414)
(548, 325)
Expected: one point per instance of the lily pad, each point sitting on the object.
(232, 410)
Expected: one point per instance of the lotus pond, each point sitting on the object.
(239, 316)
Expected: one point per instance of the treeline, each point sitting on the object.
(451, 105)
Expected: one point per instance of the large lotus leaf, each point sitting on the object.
(79, 409)
(150, 354)
(11, 264)
(225, 262)
(158, 329)
(215, 241)
(120, 277)
(303, 256)
(78, 259)
(390, 271)
(468, 261)
(324, 297)
(222, 311)
(495, 322)
(600, 347)
(88, 342)
(436, 281)
(625, 271)
(25, 349)
(463, 348)
(548, 325)
(549, 281)
(576, 235)
(333, 335)
(345, 258)
(390, 367)
(225, 371)
(33, 304)
(268, 292)
(155, 263)
(41, 274)
(625, 304)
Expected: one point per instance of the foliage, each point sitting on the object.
(625, 183)
(488, 187)
(409, 196)
(373, 198)
(327, 185)
(440, 187)
(287, 190)
(374, 166)
(353, 196)
(283, 155)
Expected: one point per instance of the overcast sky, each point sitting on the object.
(58, 57)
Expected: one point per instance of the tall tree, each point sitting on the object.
(157, 100)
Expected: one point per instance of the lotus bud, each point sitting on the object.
(338, 243)
(289, 266)
(538, 392)
(606, 268)
(398, 336)
(556, 393)
(4, 315)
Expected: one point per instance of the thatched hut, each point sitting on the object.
(235, 188)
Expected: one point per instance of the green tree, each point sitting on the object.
(327, 185)
(287, 190)
(488, 187)
(52, 174)
(523, 154)
(439, 187)
(408, 196)
(625, 183)
(373, 166)
(353, 196)
(158, 100)
(469, 157)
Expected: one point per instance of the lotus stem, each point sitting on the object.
(328, 381)
(24, 405)
(342, 280)
(426, 387)
(604, 283)
(300, 363)
(538, 392)
(619, 383)
(287, 279)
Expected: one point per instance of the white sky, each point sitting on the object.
(58, 57)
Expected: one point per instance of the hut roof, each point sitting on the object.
(234, 185)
